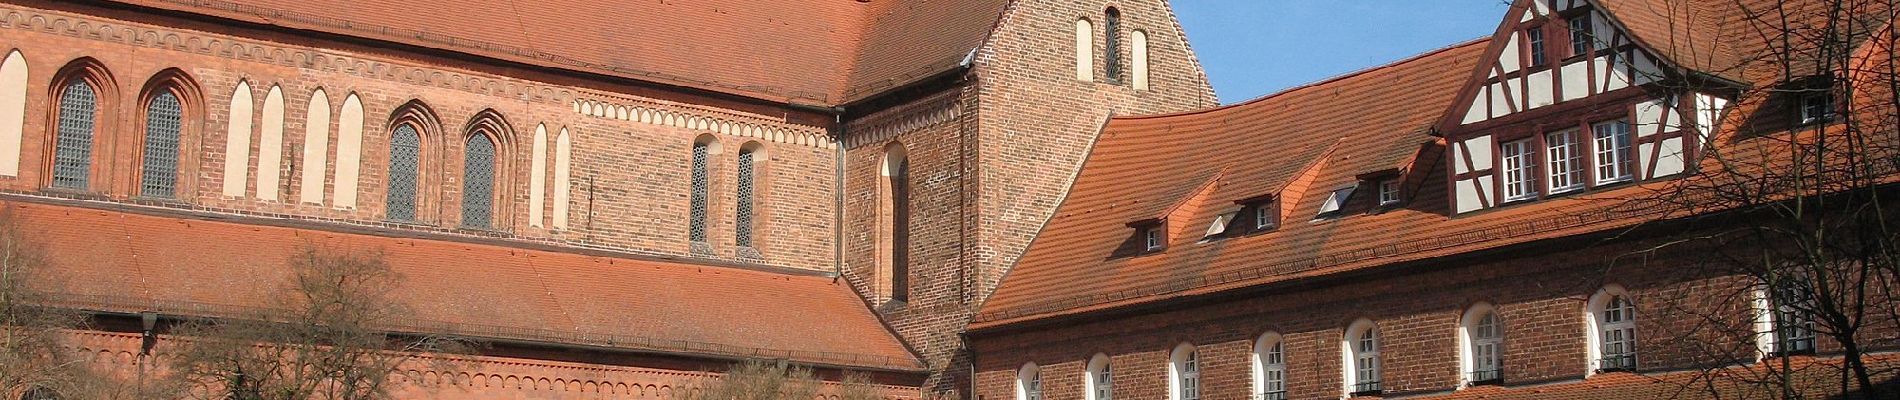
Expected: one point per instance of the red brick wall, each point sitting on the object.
(629, 181)
(1540, 302)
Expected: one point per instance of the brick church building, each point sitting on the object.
(981, 199)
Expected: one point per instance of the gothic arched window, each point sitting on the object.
(164, 119)
(405, 161)
(72, 155)
(478, 182)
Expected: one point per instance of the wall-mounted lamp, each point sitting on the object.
(149, 319)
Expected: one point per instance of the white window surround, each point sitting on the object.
(1772, 314)
(1264, 216)
(1612, 144)
(1597, 328)
(1029, 382)
(1099, 382)
(1153, 238)
(1816, 106)
(1184, 373)
(1359, 358)
(1269, 367)
(1479, 348)
(1519, 164)
(1563, 161)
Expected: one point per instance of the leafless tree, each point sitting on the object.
(324, 338)
(1790, 224)
(774, 380)
(32, 355)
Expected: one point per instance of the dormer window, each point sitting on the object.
(1335, 201)
(1152, 238)
(1389, 192)
(1265, 216)
(1817, 106)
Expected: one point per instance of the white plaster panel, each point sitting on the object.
(1646, 69)
(1576, 80)
(1084, 50)
(538, 175)
(1649, 115)
(1468, 195)
(237, 141)
(1480, 151)
(1509, 57)
(1476, 111)
(270, 145)
(349, 152)
(563, 147)
(13, 78)
(316, 147)
(1541, 93)
(1138, 48)
(1500, 102)
(1671, 161)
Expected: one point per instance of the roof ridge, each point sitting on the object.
(1322, 82)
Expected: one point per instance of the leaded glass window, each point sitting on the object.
(742, 219)
(405, 161)
(72, 160)
(163, 120)
(696, 225)
(478, 182)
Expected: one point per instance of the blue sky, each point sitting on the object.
(1252, 48)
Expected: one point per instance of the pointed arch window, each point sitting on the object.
(164, 119)
(742, 216)
(72, 156)
(1112, 56)
(478, 182)
(897, 194)
(405, 160)
(696, 225)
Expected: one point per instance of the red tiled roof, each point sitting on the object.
(825, 52)
(1377, 117)
(124, 261)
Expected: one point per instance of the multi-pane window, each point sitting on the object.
(1191, 376)
(1817, 105)
(696, 223)
(1389, 192)
(1152, 238)
(1534, 40)
(1112, 24)
(1032, 387)
(478, 182)
(72, 157)
(1104, 385)
(1794, 325)
(159, 172)
(1618, 334)
(1272, 372)
(1265, 216)
(742, 217)
(1582, 35)
(405, 160)
(1366, 361)
(1565, 161)
(1520, 176)
(1485, 340)
(1612, 151)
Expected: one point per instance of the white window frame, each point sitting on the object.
(1336, 200)
(1822, 100)
(1152, 238)
(1184, 373)
(1389, 192)
(1265, 216)
(1612, 141)
(1563, 161)
(1029, 382)
(1479, 350)
(1360, 358)
(1518, 159)
(1611, 327)
(1099, 382)
(1269, 367)
(1772, 315)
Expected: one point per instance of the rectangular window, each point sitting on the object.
(1152, 236)
(1265, 216)
(1817, 106)
(1389, 192)
(1581, 35)
(1794, 329)
(1534, 40)
(1520, 179)
(1612, 151)
(1565, 161)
